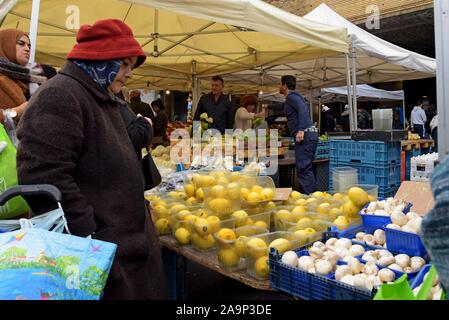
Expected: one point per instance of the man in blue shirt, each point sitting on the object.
(306, 135)
(217, 106)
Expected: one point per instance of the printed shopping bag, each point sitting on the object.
(8, 178)
(37, 264)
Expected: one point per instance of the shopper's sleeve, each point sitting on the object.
(199, 109)
(51, 134)
(243, 114)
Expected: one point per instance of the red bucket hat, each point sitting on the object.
(107, 39)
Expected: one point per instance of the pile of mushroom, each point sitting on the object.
(434, 293)
(376, 239)
(400, 262)
(410, 222)
(385, 207)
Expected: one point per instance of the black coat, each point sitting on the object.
(73, 136)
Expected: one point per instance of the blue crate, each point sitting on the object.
(349, 233)
(405, 242)
(388, 192)
(372, 222)
(380, 175)
(420, 277)
(365, 152)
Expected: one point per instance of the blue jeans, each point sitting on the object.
(305, 154)
(419, 129)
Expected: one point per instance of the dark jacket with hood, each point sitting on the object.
(73, 136)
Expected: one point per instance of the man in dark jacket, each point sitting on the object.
(328, 121)
(161, 123)
(140, 107)
(306, 135)
(217, 106)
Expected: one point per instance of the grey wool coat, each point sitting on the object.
(73, 136)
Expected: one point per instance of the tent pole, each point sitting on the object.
(441, 12)
(403, 112)
(354, 85)
(34, 24)
(311, 104)
(348, 85)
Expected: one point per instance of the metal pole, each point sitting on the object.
(354, 86)
(34, 24)
(311, 104)
(348, 85)
(441, 12)
(403, 113)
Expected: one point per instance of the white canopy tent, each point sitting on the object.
(184, 40)
(364, 93)
(373, 60)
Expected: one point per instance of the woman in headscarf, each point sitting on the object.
(73, 136)
(15, 78)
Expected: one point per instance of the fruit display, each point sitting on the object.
(413, 136)
(257, 250)
(203, 229)
(231, 243)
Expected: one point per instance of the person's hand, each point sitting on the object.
(260, 115)
(21, 109)
(148, 119)
(300, 136)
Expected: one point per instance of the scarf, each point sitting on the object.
(102, 72)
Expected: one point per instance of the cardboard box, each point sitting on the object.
(418, 193)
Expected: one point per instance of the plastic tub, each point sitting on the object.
(257, 257)
(405, 242)
(372, 222)
(343, 177)
(231, 254)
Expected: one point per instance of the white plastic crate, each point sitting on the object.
(422, 167)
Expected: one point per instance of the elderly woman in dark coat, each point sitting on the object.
(73, 136)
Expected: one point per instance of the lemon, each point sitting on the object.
(183, 236)
(206, 242)
(249, 222)
(301, 202)
(240, 247)
(162, 226)
(202, 227)
(222, 180)
(197, 180)
(214, 223)
(261, 224)
(245, 192)
(295, 195)
(311, 200)
(305, 235)
(233, 191)
(281, 245)
(304, 223)
(335, 212)
(338, 196)
(235, 176)
(177, 208)
(262, 267)
(190, 190)
(161, 211)
(267, 194)
(209, 181)
(299, 212)
(270, 205)
(183, 214)
(173, 194)
(341, 223)
(228, 257)
(285, 215)
(358, 196)
(240, 218)
(257, 189)
(256, 248)
(226, 234)
(323, 208)
(192, 201)
(350, 209)
(199, 194)
(218, 191)
(182, 195)
(318, 194)
(222, 206)
(253, 197)
(160, 203)
(202, 213)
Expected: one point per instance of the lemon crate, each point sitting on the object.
(365, 152)
(322, 150)
(384, 176)
(405, 242)
(310, 286)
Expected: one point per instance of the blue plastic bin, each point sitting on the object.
(405, 242)
(365, 152)
(372, 222)
(420, 277)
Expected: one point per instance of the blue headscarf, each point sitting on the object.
(102, 72)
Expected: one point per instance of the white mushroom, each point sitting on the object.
(402, 260)
(381, 213)
(319, 245)
(371, 207)
(341, 252)
(412, 215)
(369, 239)
(371, 282)
(360, 281)
(356, 250)
(386, 261)
(359, 236)
(416, 263)
(399, 218)
(370, 268)
(311, 270)
(332, 257)
(355, 265)
(385, 253)
(408, 270)
(342, 271)
(331, 242)
(379, 237)
(396, 267)
(343, 243)
(386, 275)
(348, 279)
(408, 229)
(415, 224)
(323, 267)
(393, 226)
(306, 262)
(369, 256)
(316, 253)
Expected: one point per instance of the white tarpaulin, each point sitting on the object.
(183, 39)
(377, 61)
(364, 93)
